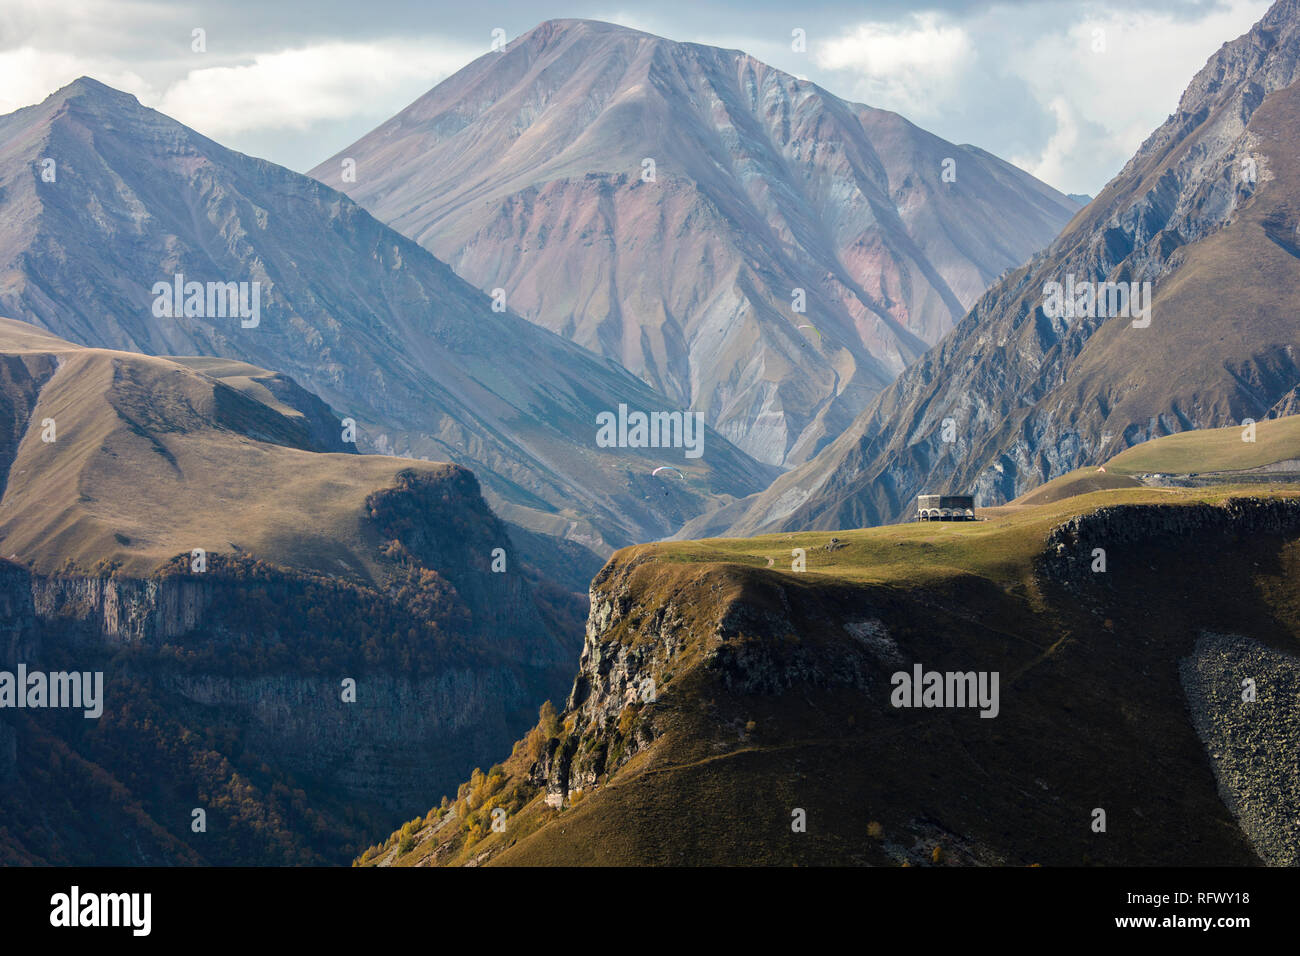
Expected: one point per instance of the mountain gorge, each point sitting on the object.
(671, 206)
(1206, 213)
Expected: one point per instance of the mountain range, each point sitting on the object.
(1206, 213)
(737, 698)
(749, 244)
(330, 520)
(104, 202)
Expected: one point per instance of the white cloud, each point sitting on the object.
(293, 89)
(906, 64)
(1053, 164)
(1107, 101)
(88, 26)
(1025, 82)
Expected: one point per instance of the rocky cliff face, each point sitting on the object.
(281, 701)
(123, 611)
(472, 651)
(361, 727)
(403, 737)
(405, 734)
(19, 641)
(1242, 697)
(613, 678)
(639, 637)
(1068, 555)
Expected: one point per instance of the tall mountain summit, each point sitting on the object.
(1208, 213)
(671, 206)
(103, 203)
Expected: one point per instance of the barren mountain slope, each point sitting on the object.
(529, 171)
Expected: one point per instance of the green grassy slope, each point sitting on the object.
(154, 458)
(1081, 481)
(1213, 450)
(1217, 452)
(762, 709)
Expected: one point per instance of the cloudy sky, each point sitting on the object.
(1065, 89)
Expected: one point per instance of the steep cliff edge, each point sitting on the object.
(295, 709)
(731, 708)
(298, 642)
